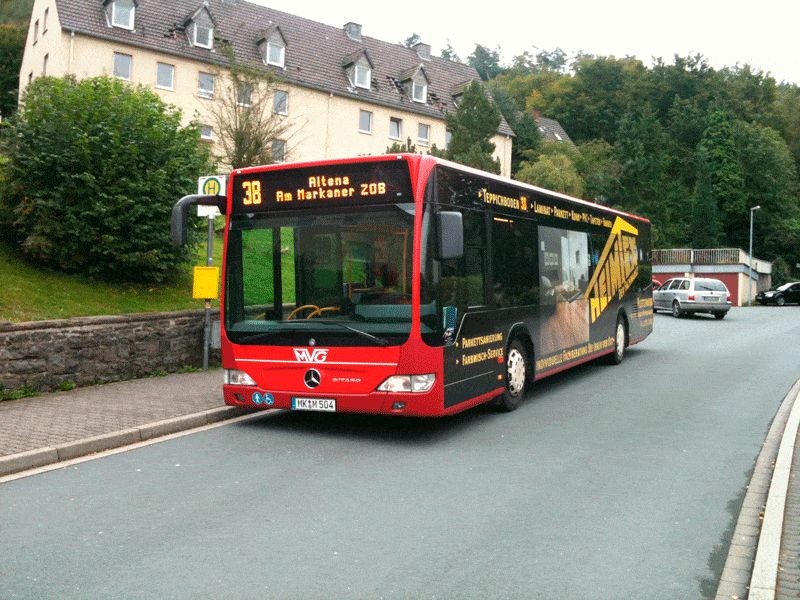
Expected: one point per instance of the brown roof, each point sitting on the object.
(314, 51)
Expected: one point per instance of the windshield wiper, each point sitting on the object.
(378, 340)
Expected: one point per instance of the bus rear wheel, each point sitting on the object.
(619, 343)
(516, 377)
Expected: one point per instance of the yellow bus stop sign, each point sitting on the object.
(206, 283)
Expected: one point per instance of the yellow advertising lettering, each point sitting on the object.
(616, 270)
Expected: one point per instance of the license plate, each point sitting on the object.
(320, 404)
(710, 298)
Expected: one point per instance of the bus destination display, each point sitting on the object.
(371, 182)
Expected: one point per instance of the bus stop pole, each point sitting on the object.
(209, 260)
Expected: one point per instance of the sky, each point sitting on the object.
(762, 34)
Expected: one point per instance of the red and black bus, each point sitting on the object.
(409, 285)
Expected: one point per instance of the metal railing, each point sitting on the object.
(711, 256)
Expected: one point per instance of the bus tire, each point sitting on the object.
(619, 342)
(516, 375)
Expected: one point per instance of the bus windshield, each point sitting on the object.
(340, 278)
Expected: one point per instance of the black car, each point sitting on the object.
(788, 292)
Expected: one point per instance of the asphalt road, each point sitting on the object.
(607, 483)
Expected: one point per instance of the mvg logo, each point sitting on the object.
(310, 356)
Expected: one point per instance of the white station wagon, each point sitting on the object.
(686, 295)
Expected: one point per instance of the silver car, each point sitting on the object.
(686, 295)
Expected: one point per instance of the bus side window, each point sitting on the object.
(462, 280)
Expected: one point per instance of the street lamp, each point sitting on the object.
(750, 275)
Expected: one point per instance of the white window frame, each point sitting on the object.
(368, 115)
(117, 15)
(44, 64)
(362, 76)
(206, 132)
(204, 92)
(129, 65)
(159, 71)
(201, 27)
(278, 61)
(399, 134)
(419, 92)
(36, 31)
(44, 20)
(280, 102)
(426, 139)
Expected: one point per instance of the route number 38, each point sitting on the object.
(252, 192)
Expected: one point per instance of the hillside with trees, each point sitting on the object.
(691, 147)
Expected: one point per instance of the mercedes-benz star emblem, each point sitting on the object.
(312, 378)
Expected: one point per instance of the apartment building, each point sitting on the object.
(340, 92)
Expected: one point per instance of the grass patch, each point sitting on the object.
(34, 294)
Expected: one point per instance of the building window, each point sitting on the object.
(122, 13)
(363, 75)
(244, 94)
(419, 92)
(424, 135)
(278, 150)
(203, 35)
(395, 128)
(122, 65)
(276, 54)
(205, 85)
(165, 76)
(44, 20)
(44, 65)
(280, 104)
(206, 132)
(36, 31)
(365, 121)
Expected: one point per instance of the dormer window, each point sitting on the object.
(358, 67)
(200, 29)
(203, 35)
(419, 92)
(415, 83)
(121, 13)
(363, 76)
(272, 46)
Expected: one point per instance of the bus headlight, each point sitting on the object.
(408, 383)
(234, 377)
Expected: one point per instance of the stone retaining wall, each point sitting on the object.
(89, 350)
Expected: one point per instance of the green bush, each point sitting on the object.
(94, 168)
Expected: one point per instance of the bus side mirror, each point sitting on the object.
(451, 235)
(180, 214)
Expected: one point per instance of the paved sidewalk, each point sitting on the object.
(763, 561)
(54, 427)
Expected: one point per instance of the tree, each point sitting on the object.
(450, 54)
(554, 172)
(246, 124)
(12, 47)
(16, 11)
(721, 177)
(486, 62)
(412, 40)
(472, 126)
(94, 168)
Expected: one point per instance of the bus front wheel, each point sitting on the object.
(516, 376)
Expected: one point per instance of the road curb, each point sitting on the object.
(759, 523)
(32, 459)
(765, 568)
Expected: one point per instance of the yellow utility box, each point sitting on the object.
(206, 283)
